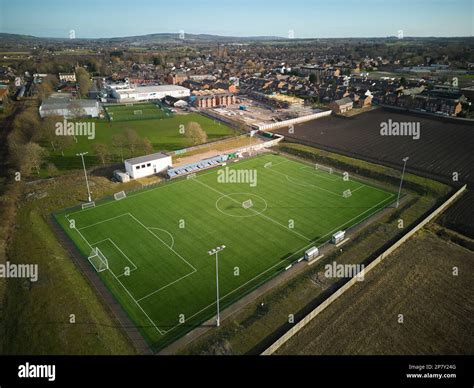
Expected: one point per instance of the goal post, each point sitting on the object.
(88, 205)
(120, 195)
(324, 168)
(247, 204)
(98, 260)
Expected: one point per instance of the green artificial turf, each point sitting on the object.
(136, 111)
(163, 236)
(164, 135)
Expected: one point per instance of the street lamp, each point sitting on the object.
(216, 252)
(405, 160)
(85, 174)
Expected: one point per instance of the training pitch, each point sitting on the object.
(156, 241)
(136, 111)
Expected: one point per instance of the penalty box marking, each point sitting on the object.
(193, 269)
(315, 172)
(125, 288)
(137, 301)
(305, 184)
(337, 179)
(123, 254)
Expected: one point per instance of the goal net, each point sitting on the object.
(120, 195)
(247, 204)
(324, 168)
(268, 165)
(88, 205)
(129, 104)
(347, 193)
(137, 112)
(98, 260)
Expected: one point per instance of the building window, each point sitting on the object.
(137, 167)
(143, 166)
(148, 165)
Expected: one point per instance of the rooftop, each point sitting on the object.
(343, 101)
(66, 103)
(147, 158)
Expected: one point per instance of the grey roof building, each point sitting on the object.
(69, 108)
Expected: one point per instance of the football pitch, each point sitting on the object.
(136, 111)
(157, 240)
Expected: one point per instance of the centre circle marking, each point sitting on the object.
(252, 211)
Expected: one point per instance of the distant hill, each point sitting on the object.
(147, 39)
(173, 38)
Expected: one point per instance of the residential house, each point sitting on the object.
(343, 105)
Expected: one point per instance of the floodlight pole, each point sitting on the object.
(401, 180)
(85, 174)
(212, 252)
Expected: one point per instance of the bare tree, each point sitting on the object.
(147, 147)
(132, 140)
(51, 169)
(118, 143)
(32, 155)
(195, 133)
(47, 131)
(27, 123)
(76, 109)
(63, 142)
(102, 152)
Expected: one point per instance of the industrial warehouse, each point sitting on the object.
(126, 92)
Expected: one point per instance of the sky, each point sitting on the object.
(305, 18)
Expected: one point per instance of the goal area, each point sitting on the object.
(98, 260)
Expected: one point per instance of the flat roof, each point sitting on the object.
(66, 103)
(147, 158)
(152, 88)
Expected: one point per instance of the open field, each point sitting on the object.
(416, 281)
(163, 236)
(459, 217)
(164, 135)
(443, 148)
(136, 111)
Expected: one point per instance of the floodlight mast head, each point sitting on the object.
(405, 159)
(216, 250)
